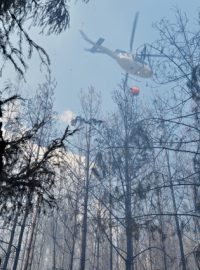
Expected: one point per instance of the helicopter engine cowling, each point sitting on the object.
(133, 66)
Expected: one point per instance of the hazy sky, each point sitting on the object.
(75, 69)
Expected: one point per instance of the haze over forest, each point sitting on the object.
(99, 135)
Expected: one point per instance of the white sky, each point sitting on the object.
(75, 69)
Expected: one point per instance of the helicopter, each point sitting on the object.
(133, 64)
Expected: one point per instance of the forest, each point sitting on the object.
(110, 191)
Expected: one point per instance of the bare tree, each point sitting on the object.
(48, 15)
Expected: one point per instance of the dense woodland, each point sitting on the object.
(109, 192)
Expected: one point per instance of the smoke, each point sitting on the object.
(67, 116)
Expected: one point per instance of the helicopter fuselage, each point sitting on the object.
(133, 66)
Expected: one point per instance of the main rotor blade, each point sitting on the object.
(133, 30)
(155, 55)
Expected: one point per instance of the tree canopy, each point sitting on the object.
(49, 15)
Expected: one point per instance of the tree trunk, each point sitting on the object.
(40, 253)
(10, 244)
(30, 238)
(74, 235)
(179, 234)
(84, 228)
(33, 242)
(21, 234)
(85, 212)
(98, 250)
(162, 232)
(128, 213)
(110, 225)
(55, 225)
